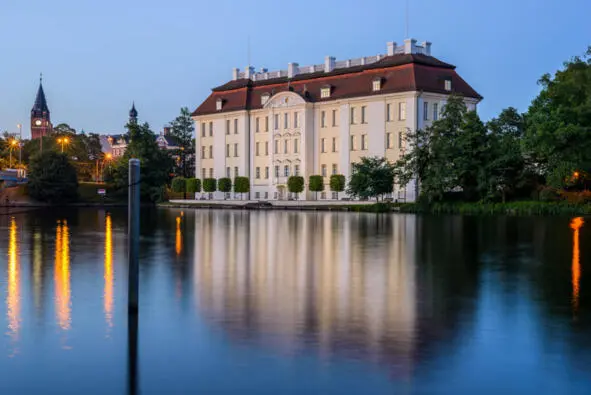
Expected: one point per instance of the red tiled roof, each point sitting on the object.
(399, 73)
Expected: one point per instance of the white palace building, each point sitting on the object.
(319, 119)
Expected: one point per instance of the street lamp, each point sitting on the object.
(63, 141)
(107, 158)
(20, 144)
(13, 144)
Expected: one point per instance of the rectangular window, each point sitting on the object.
(211, 151)
(266, 195)
(202, 152)
(257, 173)
(266, 148)
(322, 145)
(334, 168)
(400, 140)
(435, 112)
(267, 172)
(227, 126)
(388, 112)
(257, 195)
(285, 143)
(203, 174)
(203, 129)
(227, 150)
(352, 145)
(352, 115)
(285, 121)
(296, 170)
(236, 171)
(266, 124)
(363, 142)
(334, 117)
(388, 140)
(334, 144)
(236, 126)
(210, 129)
(402, 111)
(425, 111)
(228, 172)
(447, 85)
(363, 110)
(323, 170)
(322, 195)
(376, 85)
(276, 171)
(257, 148)
(323, 119)
(236, 150)
(211, 172)
(325, 92)
(276, 146)
(257, 125)
(296, 122)
(276, 121)
(286, 170)
(295, 146)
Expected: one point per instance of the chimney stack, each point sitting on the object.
(249, 72)
(391, 45)
(329, 63)
(235, 72)
(427, 47)
(292, 70)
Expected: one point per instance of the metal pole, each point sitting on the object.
(134, 233)
(20, 145)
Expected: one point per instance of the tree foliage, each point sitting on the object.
(209, 185)
(371, 177)
(241, 185)
(225, 185)
(338, 182)
(179, 184)
(295, 184)
(52, 178)
(193, 185)
(182, 130)
(316, 184)
(155, 164)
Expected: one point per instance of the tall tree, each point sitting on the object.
(371, 177)
(183, 129)
(52, 178)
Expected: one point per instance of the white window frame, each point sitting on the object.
(402, 111)
(377, 85)
(325, 92)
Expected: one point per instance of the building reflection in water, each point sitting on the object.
(337, 283)
(108, 291)
(62, 275)
(13, 301)
(576, 225)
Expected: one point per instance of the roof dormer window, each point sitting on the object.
(325, 92)
(447, 84)
(219, 104)
(264, 98)
(376, 84)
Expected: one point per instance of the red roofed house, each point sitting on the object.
(320, 119)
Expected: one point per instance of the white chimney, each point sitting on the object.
(410, 46)
(235, 72)
(248, 72)
(292, 70)
(329, 63)
(391, 45)
(427, 46)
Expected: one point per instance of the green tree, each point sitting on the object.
(182, 130)
(558, 122)
(371, 177)
(241, 185)
(337, 183)
(316, 184)
(193, 186)
(295, 184)
(179, 185)
(225, 185)
(52, 178)
(209, 185)
(155, 164)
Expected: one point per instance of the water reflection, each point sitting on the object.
(62, 275)
(179, 236)
(575, 225)
(13, 298)
(108, 291)
(306, 280)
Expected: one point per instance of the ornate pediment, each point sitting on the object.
(284, 100)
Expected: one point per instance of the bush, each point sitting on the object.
(241, 185)
(209, 185)
(295, 184)
(225, 185)
(549, 194)
(316, 184)
(179, 185)
(337, 183)
(52, 178)
(193, 185)
(582, 197)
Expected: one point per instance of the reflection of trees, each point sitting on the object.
(332, 282)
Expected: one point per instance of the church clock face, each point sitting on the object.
(38, 122)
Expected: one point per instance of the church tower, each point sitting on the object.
(133, 114)
(40, 116)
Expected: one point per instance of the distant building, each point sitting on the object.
(40, 115)
(166, 141)
(320, 119)
(116, 144)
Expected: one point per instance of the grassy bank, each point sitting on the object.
(512, 208)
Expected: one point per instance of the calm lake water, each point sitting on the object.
(297, 303)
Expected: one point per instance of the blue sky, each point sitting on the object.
(97, 57)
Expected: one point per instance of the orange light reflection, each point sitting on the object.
(108, 292)
(13, 298)
(62, 275)
(179, 240)
(575, 225)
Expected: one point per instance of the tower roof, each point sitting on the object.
(40, 105)
(133, 111)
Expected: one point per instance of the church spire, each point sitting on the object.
(133, 114)
(40, 108)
